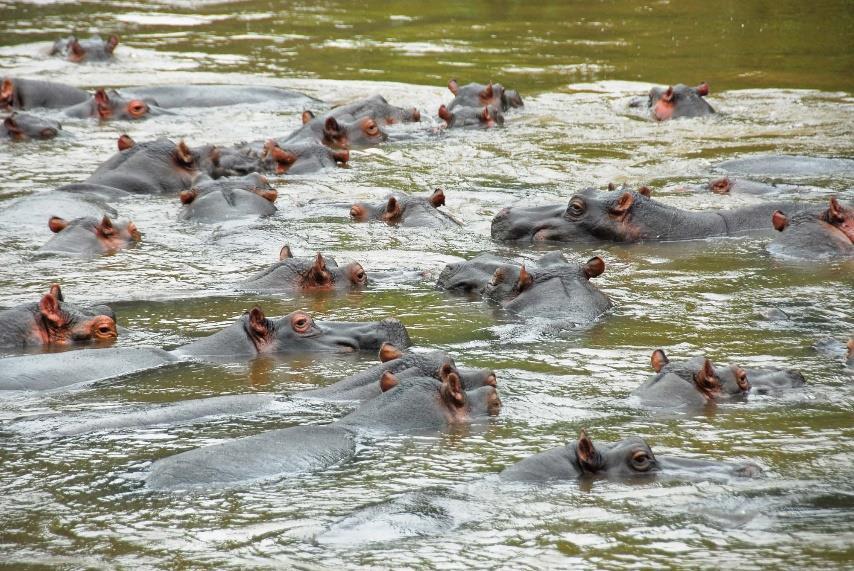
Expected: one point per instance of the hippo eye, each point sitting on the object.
(137, 108)
(576, 207)
(371, 129)
(301, 323)
(641, 461)
(360, 276)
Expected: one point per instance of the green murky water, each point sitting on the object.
(780, 74)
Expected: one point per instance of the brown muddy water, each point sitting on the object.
(781, 76)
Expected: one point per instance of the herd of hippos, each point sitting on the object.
(408, 390)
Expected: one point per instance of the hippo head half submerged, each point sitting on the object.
(377, 108)
(51, 322)
(479, 95)
(254, 334)
(107, 105)
(829, 233)
(229, 199)
(308, 274)
(93, 49)
(357, 133)
(695, 381)
(300, 157)
(679, 101)
(485, 118)
(404, 210)
(23, 126)
(626, 459)
(89, 236)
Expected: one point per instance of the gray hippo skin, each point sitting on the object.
(729, 185)
(291, 157)
(629, 458)
(89, 236)
(176, 96)
(342, 132)
(16, 93)
(51, 322)
(23, 127)
(472, 276)
(676, 101)
(224, 199)
(478, 95)
(404, 210)
(629, 216)
(107, 105)
(789, 166)
(809, 236)
(307, 274)
(93, 49)
(413, 405)
(154, 167)
(377, 108)
(477, 117)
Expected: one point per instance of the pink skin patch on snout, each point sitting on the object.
(541, 235)
(662, 110)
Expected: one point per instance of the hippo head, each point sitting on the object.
(254, 334)
(624, 459)
(396, 207)
(23, 126)
(7, 94)
(94, 49)
(62, 324)
(807, 235)
(125, 142)
(111, 105)
(89, 234)
(362, 132)
(477, 94)
(299, 158)
(320, 277)
(710, 382)
(679, 101)
(485, 118)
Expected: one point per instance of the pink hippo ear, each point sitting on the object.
(645, 191)
(7, 90)
(188, 196)
(258, 324)
(75, 50)
(658, 360)
(388, 381)
(102, 102)
(12, 126)
(623, 204)
(487, 93)
(668, 95)
(307, 116)
(835, 213)
(112, 42)
(331, 126)
(56, 292)
(452, 390)
(57, 224)
(702, 89)
(285, 253)
(437, 199)
(454, 86)
(779, 220)
(445, 115)
(389, 352)
(183, 154)
(525, 280)
(393, 211)
(589, 458)
(106, 228)
(594, 267)
(50, 310)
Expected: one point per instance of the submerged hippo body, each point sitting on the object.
(107, 105)
(93, 49)
(677, 101)
(31, 211)
(479, 96)
(52, 322)
(809, 236)
(404, 210)
(176, 96)
(23, 127)
(377, 108)
(789, 166)
(307, 274)
(629, 216)
(16, 93)
(89, 236)
(224, 199)
(629, 458)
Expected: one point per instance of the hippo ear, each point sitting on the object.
(437, 199)
(779, 220)
(611, 186)
(76, 49)
(588, 457)
(835, 213)
(721, 186)
(50, 310)
(658, 360)
(453, 86)
(850, 348)
(57, 224)
(125, 142)
(307, 116)
(56, 292)
(134, 232)
(258, 324)
(452, 391)
(623, 204)
(285, 253)
(594, 267)
(188, 196)
(668, 95)
(101, 97)
(388, 381)
(498, 277)
(12, 125)
(7, 89)
(706, 376)
(445, 115)
(740, 378)
(645, 191)
(341, 157)
(112, 42)
(702, 89)
(487, 92)
(183, 154)
(389, 352)
(525, 280)
(331, 126)
(105, 227)
(319, 265)
(392, 208)
(445, 371)
(484, 115)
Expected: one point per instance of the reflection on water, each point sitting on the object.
(780, 87)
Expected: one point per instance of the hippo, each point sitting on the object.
(51, 322)
(16, 93)
(229, 199)
(177, 96)
(93, 49)
(676, 101)
(295, 157)
(629, 216)
(29, 211)
(153, 167)
(377, 108)
(485, 118)
(628, 458)
(810, 236)
(395, 365)
(307, 274)
(788, 166)
(404, 210)
(414, 405)
(89, 236)
(479, 95)
(729, 185)
(343, 132)
(472, 276)
(106, 105)
(23, 126)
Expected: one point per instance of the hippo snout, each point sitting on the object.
(748, 470)
(391, 330)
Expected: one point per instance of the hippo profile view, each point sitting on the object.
(377, 108)
(484, 118)
(178, 96)
(307, 274)
(24, 127)
(405, 210)
(19, 93)
(479, 95)
(93, 49)
(343, 132)
(676, 101)
(809, 235)
(89, 236)
(107, 105)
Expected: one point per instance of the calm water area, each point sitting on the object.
(781, 75)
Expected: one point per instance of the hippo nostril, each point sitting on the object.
(416, 114)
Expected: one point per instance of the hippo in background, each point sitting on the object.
(478, 95)
(17, 93)
(89, 236)
(626, 459)
(789, 166)
(676, 101)
(485, 118)
(411, 406)
(809, 235)
(407, 211)
(317, 273)
(106, 105)
(23, 127)
(51, 322)
(93, 49)
(177, 96)
(295, 157)
(629, 216)
(213, 201)
(343, 132)
(377, 108)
